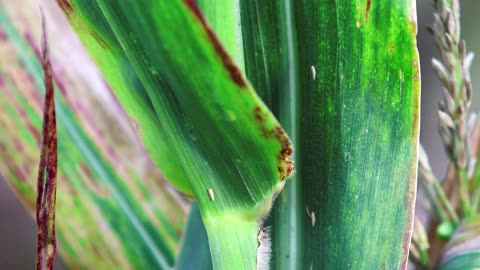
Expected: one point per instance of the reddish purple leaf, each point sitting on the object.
(47, 171)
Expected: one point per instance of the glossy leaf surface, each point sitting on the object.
(343, 78)
(234, 153)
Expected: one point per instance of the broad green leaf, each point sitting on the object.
(343, 78)
(463, 250)
(100, 41)
(234, 153)
(114, 210)
(225, 18)
(271, 64)
(358, 134)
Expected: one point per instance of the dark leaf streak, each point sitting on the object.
(285, 167)
(235, 73)
(47, 171)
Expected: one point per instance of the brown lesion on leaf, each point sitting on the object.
(285, 163)
(258, 114)
(285, 153)
(390, 47)
(47, 169)
(367, 12)
(100, 41)
(233, 70)
(65, 5)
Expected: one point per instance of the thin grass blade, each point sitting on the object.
(47, 171)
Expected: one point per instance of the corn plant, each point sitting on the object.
(455, 205)
(288, 128)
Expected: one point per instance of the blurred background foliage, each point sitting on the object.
(17, 228)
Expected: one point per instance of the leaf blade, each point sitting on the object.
(202, 108)
(340, 51)
(47, 171)
(364, 102)
(106, 239)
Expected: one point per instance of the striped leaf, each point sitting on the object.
(343, 78)
(114, 209)
(463, 250)
(228, 145)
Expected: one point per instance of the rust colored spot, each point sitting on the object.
(369, 5)
(287, 151)
(390, 47)
(258, 114)
(100, 41)
(65, 5)
(233, 70)
(47, 169)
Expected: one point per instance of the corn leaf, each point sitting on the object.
(343, 78)
(114, 209)
(47, 171)
(195, 251)
(234, 153)
(463, 250)
(100, 41)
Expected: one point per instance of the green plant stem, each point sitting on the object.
(464, 195)
(474, 179)
(442, 213)
(475, 201)
(233, 243)
(444, 200)
(434, 190)
(476, 189)
(421, 259)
